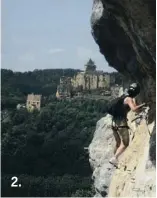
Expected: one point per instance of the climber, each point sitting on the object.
(119, 122)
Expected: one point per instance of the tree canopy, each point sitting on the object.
(45, 149)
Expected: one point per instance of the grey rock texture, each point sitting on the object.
(101, 150)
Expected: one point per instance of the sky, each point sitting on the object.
(48, 34)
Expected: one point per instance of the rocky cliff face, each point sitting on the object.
(135, 175)
(101, 150)
(125, 33)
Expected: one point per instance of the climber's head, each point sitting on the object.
(134, 90)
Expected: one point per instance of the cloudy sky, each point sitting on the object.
(40, 34)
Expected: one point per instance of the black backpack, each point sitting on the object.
(116, 107)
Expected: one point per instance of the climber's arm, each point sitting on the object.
(132, 104)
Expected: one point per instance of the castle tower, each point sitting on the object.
(90, 66)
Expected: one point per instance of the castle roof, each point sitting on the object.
(90, 63)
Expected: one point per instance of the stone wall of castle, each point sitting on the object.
(90, 81)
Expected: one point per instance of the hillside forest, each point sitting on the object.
(46, 150)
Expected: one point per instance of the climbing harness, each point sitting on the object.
(116, 127)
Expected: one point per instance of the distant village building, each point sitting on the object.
(33, 102)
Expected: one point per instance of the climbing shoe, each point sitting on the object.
(114, 161)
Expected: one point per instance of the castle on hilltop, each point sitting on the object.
(91, 79)
(87, 80)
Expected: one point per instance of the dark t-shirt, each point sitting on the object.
(124, 109)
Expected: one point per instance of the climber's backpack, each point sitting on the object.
(116, 107)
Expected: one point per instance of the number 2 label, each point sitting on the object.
(15, 179)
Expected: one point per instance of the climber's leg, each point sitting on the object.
(117, 139)
(114, 160)
(120, 150)
(124, 135)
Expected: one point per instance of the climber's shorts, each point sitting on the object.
(121, 132)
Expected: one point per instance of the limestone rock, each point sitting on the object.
(101, 150)
(135, 175)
